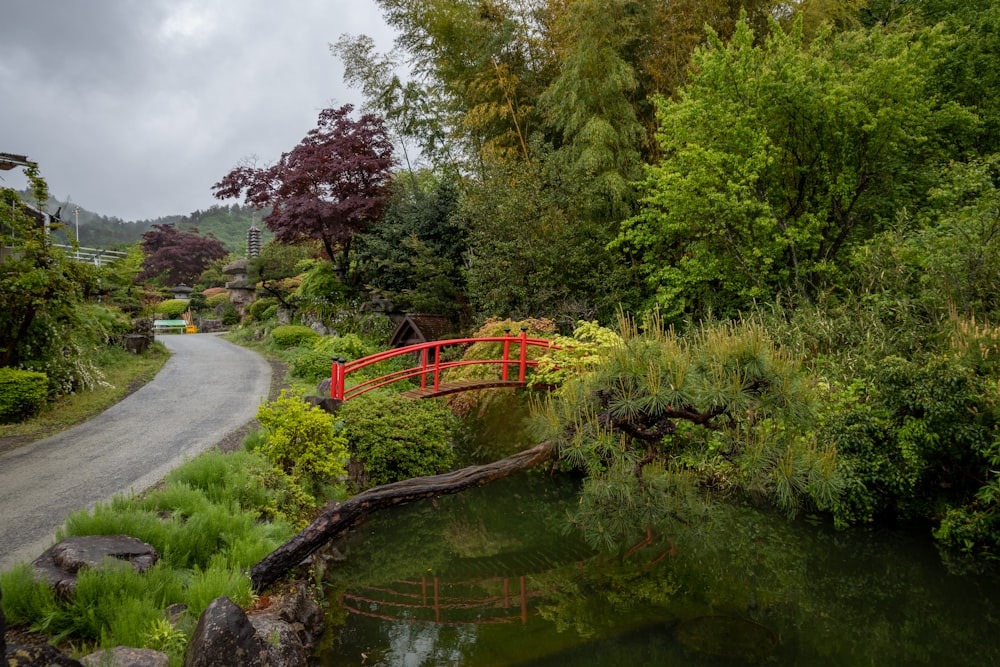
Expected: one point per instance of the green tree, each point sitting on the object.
(723, 407)
(781, 156)
(950, 258)
(592, 102)
(484, 63)
(415, 256)
(528, 257)
(39, 286)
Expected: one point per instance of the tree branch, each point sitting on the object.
(341, 517)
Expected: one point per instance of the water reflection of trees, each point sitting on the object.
(831, 597)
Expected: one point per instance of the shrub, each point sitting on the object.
(173, 308)
(350, 346)
(213, 298)
(301, 439)
(258, 309)
(314, 365)
(228, 313)
(311, 365)
(291, 335)
(396, 438)
(22, 394)
(250, 479)
(919, 440)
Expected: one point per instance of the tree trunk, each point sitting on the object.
(341, 517)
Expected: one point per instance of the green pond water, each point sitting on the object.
(490, 577)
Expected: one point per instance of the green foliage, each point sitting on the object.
(292, 335)
(217, 580)
(396, 438)
(413, 257)
(349, 346)
(315, 364)
(40, 289)
(248, 478)
(721, 407)
(950, 259)
(591, 103)
(321, 285)
(259, 309)
(198, 302)
(301, 439)
(205, 523)
(22, 394)
(311, 366)
(173, 308)
(464, 402)
(577, 354)
(918, 440)
(25, 599)
(217, 299)
(780, 156)
(530, 254)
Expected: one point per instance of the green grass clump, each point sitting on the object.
(205, 522)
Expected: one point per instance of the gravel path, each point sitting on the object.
(205, 395)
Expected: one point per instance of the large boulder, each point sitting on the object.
(225, 637)
(60, 563)
(283, 634)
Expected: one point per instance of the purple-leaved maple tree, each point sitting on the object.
(176, 256)
(330, 187)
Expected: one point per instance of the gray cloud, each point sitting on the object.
(134, 109)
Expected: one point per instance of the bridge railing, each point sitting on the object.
(429, 367)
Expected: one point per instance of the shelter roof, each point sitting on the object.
(420, 328)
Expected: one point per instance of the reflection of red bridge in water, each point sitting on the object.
(413, 601)
(485, 601)
(513, 367)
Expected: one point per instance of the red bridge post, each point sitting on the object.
(337, 378)
(523, 365)
(506, 354)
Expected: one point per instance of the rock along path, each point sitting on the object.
(207, 389)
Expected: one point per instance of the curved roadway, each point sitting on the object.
(207, 389)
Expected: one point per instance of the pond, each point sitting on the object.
(491, 578)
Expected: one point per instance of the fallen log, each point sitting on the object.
(341, 517)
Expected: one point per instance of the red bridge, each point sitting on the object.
(512, 367)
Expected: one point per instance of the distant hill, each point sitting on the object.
(229, 224)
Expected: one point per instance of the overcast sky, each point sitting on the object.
(134, 108)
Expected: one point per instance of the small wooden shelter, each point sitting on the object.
(420, 328)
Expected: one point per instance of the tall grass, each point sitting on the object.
(205, 523)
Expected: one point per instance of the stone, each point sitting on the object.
(60, 563)
(225, 637)
(38, 656)
(136, 343)
(126, 656)
(299, 607)
(323, 388)
(284, 648)
(328, 404)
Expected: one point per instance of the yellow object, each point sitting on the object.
(190, 329)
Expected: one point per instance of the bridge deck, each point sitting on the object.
(456, 386)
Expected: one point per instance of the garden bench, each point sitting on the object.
(169, 326)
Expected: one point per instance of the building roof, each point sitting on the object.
(420, 328)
